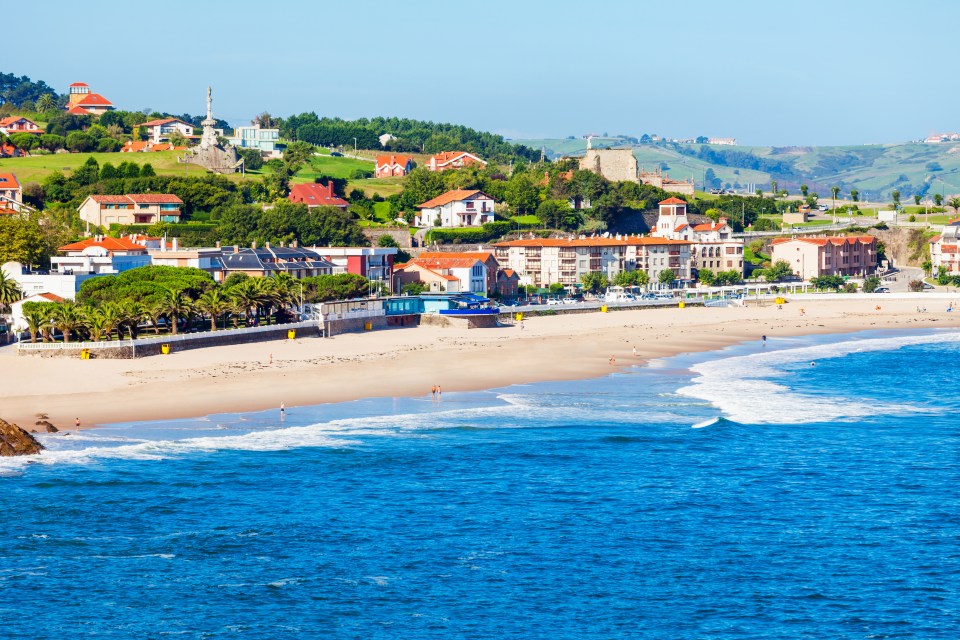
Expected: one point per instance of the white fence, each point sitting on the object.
(155, 340)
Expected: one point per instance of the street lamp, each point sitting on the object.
(354, 146)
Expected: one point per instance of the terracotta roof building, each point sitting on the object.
(317, 195)
(452, 160)
(391, 165)
(133, 208)
(827, 255)
(11, 194)
(457, 208)
(84, 102)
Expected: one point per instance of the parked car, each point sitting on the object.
(664, 296)
(570, 301)
(882, 290)
(336, 154)
(823, 207)
(554, 301)
(648, 296)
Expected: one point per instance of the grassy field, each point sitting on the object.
(332, 167)
(874, 170)
(384, 186)
(36, 168)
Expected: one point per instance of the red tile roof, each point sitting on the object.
(78, 111)
(835, 240)
(154, 123)
(392, 160)
(9, 150)
(591, 242)
(482, 256)
(9, 120)
(9, 181)
(142, 198)
(673, 201)
(446, 157)
(79, 84)
(110, 244)
(51, 297)
(155, 198)
(94, 100)
(710, 226)
(316, 195)
(452, 196)
(454, 262)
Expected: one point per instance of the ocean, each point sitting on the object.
(809, 488)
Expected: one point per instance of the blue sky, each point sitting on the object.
(806, 73)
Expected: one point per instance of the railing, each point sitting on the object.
(167, 339)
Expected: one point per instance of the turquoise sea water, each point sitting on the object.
(809, 502)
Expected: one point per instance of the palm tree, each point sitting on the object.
(834, 190)
(133, 313)
(37, 320)
(214, 304)
(155, 312)
(113, 316)
(10, 291)
(46, 103)
(176, 304)
(98, 324)
(67, 317)
(248, 296)
(955, 203)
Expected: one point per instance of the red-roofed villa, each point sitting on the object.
(133, 208)
(827, 255)
(457, 208)
(317, 195)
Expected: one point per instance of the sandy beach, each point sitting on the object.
(408, 362)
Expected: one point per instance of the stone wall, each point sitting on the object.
(400, 234)
(352, 325)
(612, 164)
(460, 322)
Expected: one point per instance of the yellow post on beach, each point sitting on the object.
(682, 304)
(603, 309)
(519, 317)
(165, 349)
(368, 326)
(291, 334)
(84, 354)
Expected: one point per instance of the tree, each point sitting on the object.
(916, 286)
(870, 284)
(176, 304)
(78, 141)
(804, 189)
(21, 240)
(666, 277)
(67, 318)
(252, 159)
(779, 270)
(896, 198)
(854, 195)
(773, 188)
(707, 277)
(46, 103)
(595, 281)
(37, 318)
(916, 199)
(827, 282)
(387, 241)
(938, 199)
(414, 288)
(215, 304)
(10, 291)
(955, 203)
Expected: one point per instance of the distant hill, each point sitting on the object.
(874, 170)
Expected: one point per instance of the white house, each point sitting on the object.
(945, 249)
(159, 130)
(19, 323)
(457, 208)
(266, 141)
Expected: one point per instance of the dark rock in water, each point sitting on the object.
(14, 441)
(51, 428)
(46, 425)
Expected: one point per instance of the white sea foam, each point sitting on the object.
(744, 388)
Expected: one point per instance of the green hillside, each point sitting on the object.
(874, 170)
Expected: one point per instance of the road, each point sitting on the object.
(899, 281)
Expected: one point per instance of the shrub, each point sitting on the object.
(870, 284)
(916, 285)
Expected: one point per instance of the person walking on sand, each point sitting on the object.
(763, 340)
(433, 391)
(634, 352)
(77, 423)
(439, 391)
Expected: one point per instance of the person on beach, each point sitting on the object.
(270, 359)
(763, 341)
(439, 391)
(803, 311)
(77, 423)
(433, 391)
(613, 360)
(634, 352)
(282, 409)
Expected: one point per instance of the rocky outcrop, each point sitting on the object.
(14, 441)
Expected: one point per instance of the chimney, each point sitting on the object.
(218, 244)
(295, 243)
(723, 220)
(253, 245)
(236, 248)
(267, 245)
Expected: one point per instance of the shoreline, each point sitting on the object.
(407, 362)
